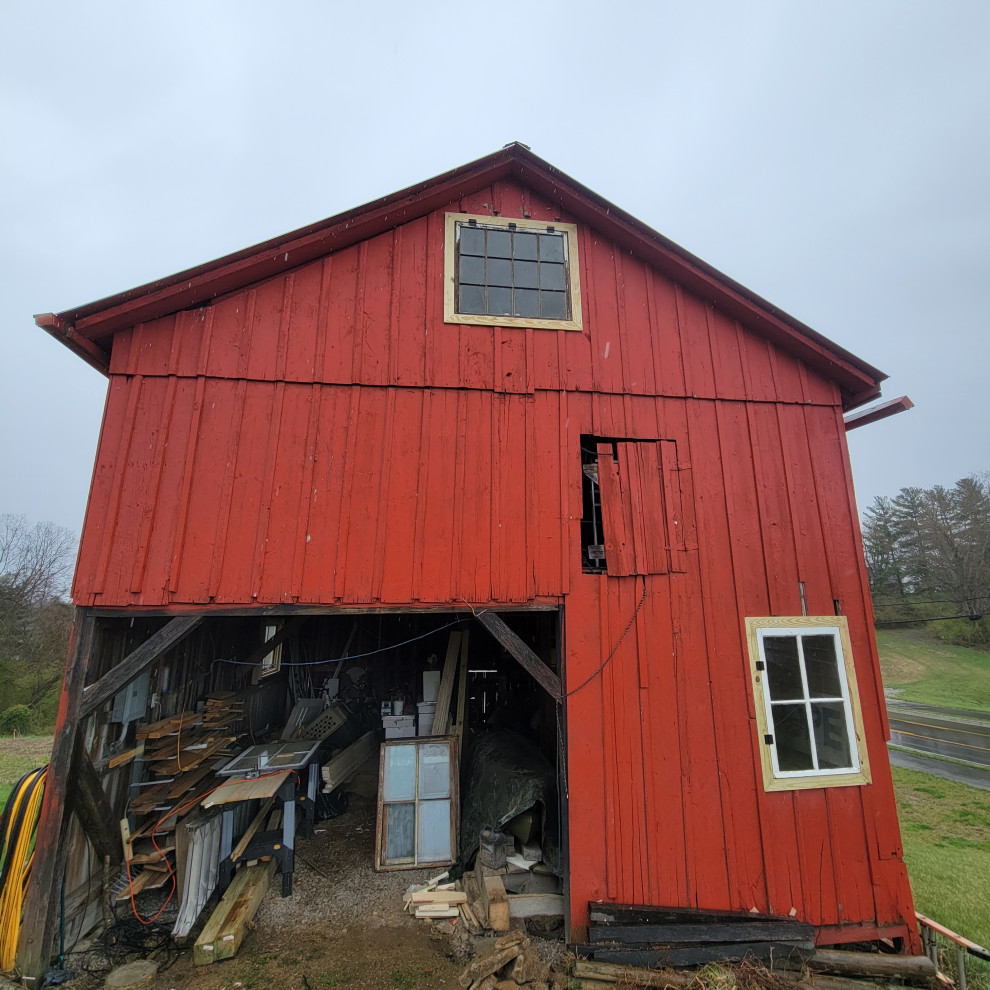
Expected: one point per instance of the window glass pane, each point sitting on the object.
(472, 240)
(399, 826)
(499, 244)
(822, 666)
(791, 737)
(499, 272)
(553, 305)
(433, 841)
(524, 246)
(551, 276)
(527, 302)
(434, 770)
(472, 270)
(551, 247)
(831, 735)
(525, 274)
(500, 302)
(783, 668)
(471, 299)
(399, 781)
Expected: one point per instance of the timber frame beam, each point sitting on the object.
(533, 665)
(136, 662)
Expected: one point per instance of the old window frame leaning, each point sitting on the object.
(758, 630)
(425, 794)
(451, 284)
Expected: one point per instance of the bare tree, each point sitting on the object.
(35, 616)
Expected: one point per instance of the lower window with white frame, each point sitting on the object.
(807, 703)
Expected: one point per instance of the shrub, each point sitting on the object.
(962, 632)
(16, 719)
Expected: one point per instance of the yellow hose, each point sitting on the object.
(18, 848)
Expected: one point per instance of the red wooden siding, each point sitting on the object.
(324, 437)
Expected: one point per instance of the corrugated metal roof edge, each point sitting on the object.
(84, 328)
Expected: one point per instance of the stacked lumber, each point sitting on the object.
(180, 752)
(348, 761)
(653, 937)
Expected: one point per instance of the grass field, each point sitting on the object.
(19, 755)
(922, 669)
(945, 827)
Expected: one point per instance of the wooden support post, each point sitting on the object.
(89, 801)
(41, 898)
(442, 714)
(533, 665)
(462, 693)
(135, 663)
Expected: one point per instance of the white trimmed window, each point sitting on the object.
(504, 272)
(807, 703)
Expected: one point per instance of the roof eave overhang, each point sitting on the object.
(87, 329)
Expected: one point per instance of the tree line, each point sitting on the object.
(931, 547)
(36, 561)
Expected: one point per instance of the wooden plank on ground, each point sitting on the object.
(442, 713)
(696, 955)
(224, 932)
(642, 914)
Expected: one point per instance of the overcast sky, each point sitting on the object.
(833, 157)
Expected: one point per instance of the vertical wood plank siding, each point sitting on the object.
(324, 437)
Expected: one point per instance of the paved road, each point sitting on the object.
(950, 732)
(942, 732)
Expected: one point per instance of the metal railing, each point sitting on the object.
(929, 932)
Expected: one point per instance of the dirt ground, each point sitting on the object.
(343, 926)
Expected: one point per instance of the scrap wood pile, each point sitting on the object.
(512, 964)
(180, 752)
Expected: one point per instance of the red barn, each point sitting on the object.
(495, 394)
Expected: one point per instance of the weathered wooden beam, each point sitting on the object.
(34, 945)
(533, 665)
(89, 801)
(848, 963)
(136, 662)
(224, 932)
(775, 931)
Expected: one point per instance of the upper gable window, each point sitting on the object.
(513, 273)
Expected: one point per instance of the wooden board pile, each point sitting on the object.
(437, 901)
(512, 964)
(672, 937)
(180, 752)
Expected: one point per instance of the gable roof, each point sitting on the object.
(88, 330)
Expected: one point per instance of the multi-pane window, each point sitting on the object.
(511, 273)
(807, 705)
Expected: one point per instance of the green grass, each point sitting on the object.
(945, 827)
(19, 755)
(924, 670)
